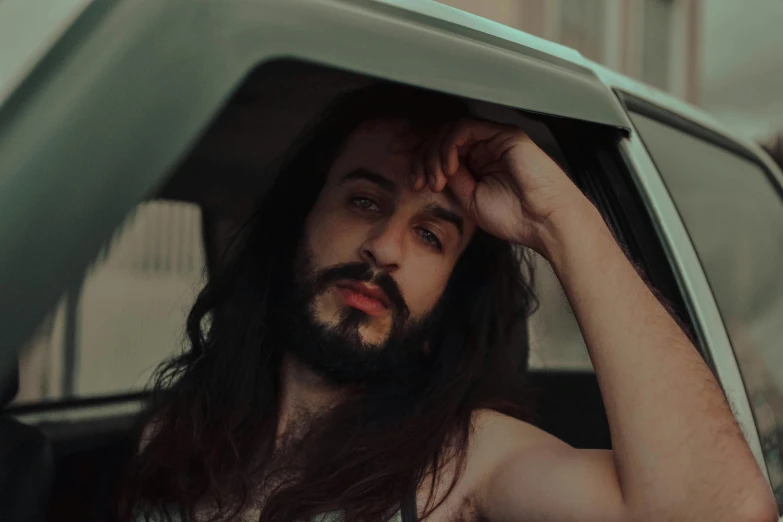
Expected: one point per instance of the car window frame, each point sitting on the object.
(709, 329)
(71, 111)
(594, 162)
(603, 176)
(128, 402)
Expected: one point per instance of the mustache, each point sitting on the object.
(364, 273)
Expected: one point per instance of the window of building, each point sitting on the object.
(733, 214)
(107, 334)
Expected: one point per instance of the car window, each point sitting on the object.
(556, 343)
(107, 334)
(734, 216)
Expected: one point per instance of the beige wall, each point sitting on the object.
(614, 33)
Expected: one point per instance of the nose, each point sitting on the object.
(384, 247)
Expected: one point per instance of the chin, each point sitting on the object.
(327, 310)
(371, 338)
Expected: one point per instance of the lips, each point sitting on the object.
(364, 297)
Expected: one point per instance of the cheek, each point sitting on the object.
(423, 284)
(330, 239)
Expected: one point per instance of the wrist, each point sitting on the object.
(579, 223)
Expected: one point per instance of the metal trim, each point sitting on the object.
(77, 403)
(672, 119)
(124, 409)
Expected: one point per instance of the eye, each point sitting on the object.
(430, 238)
(365, 204)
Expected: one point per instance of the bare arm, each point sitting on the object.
(677, 448)
(678, 452)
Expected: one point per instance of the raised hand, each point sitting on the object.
(506, 184)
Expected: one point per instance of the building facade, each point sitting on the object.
(656, 41)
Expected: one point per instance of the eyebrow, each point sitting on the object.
(373, 177)
(444, 214)
(433, 209)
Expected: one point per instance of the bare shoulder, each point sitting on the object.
(496, 439)
(515, 467)
(496, 433)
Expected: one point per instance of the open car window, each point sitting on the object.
(127, 314)
(556, 343)
(129, 86)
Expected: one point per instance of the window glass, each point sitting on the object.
(107, 334)
(735, 219)
(556, 342)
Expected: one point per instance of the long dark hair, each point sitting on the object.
(215, 406)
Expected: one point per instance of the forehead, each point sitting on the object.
(387, 148)
(376, 145)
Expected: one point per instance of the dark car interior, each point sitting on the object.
(64, 464)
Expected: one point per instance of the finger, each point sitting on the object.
(443, 155)
(479, 156)
(462, 139)
(463, 186)
(436, 178)
(419, 178)
(449, 151)
(467, 134)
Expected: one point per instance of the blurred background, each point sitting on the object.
(722, 55)
(111, 329)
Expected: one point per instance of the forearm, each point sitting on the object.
(676, 445)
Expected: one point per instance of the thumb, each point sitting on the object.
(463, 186)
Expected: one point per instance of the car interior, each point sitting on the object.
(64, 458)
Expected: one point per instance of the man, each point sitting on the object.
(358, 354)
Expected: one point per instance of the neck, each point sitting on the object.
(303, 394)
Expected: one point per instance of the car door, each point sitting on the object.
(729, 198)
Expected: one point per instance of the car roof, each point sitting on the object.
(30, 28)
(31, 32)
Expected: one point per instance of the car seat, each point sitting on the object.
(26, 464)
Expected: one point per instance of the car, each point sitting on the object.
(135, 135)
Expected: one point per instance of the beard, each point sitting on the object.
(337, 352)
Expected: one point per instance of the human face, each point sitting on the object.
(368, 215)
